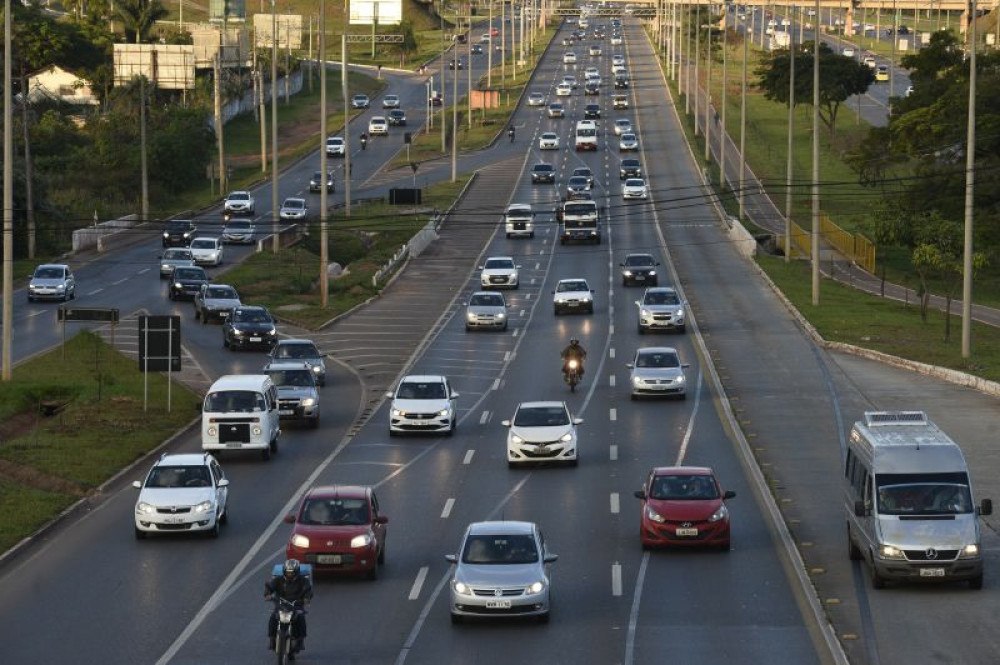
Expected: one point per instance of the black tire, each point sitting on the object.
(451, 429)
(381, 555)
(265, 454)
(72, 294)
(543, 618)
(372, 574)
(682, 396)
(575, 462)
(456, 618)
(976, 583)
(314, 423)
(853, 553)
(590, 310)
(225, 341)
(508, 236)
(273, 445)
(681, 329)
(633, 396)
(878, 582)
(642, 331)
(214, 531)
(504, 329)
(224, 517)
(139, 534)
(30, 299)
(280, 648)
(531, 235)
(556, 311)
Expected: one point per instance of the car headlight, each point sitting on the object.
(652, 272)
(461, 587)
(203, 507)
(317, 368)
(237, 332)
(627, 273)
(144, 508)
(969, 552)
(643, 313)
(470, 316)
(398, 413)
(300, 541)
(655, 516)
(680, 379)
(166, 235)
(309, 401)
(890, 552)
(443, 413)
(514, 438)
(679, 312)
(178, 285)
(212, 431)
(720, 514)
(364, 540)
(501, 315)
(568, 436)
(61, 287)
(272, 331)
(537, 587)
(637, 381)
(256, 430)
(187, 234)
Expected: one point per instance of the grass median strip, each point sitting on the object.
(72, 418)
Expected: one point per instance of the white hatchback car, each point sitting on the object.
(548, 141)
(657, 370)
(207, 251)
(564, 90)
(572, 295)
(378, 126)
(622, 126)
(499, 272)
(635, 188)
(182, 494)
(569, 58)
(536, 99)
(423, 403)
(541, 432)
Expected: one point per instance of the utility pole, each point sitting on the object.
(8, 199)
(743, 127)
(468, 64)
(489, 50)
(454, 112)
(324, 257)
(503, 44)
(788, 167)
(970, 187)
(347, 124)
(725, 83)
(275, 241)
(143, 162)
(708, 90)
(815, 165)
(697, 58)
(263, 121)
(444, 88)
(220, 144)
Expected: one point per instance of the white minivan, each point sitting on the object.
(519, 220)
(240, 412)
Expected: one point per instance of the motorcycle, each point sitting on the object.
(226, 216)
(364, 142)
(284, 639)
(510, 133)
(571, 373)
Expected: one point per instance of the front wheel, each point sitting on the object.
(281, 648)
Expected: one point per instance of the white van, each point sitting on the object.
(519, 220)
(240, 412)
(909, 502)
(586, 135)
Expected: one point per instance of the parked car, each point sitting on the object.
(293, 209)
(182, 493)
(298, 395)
(657, 371)
(683, 506)
(301, 350)
(541, 432)
(239, 203)
(339, 529)
(214, 301)
(316, 182)
(249, 326)
(172, 258)
(423, 403)
(186, 282)
(239, 231)
(179, 233)
(661, 308)
(207, 251)
(572, 295)
(486, 309)
(52, 281)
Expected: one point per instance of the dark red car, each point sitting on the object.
(683, 506)
(339, 529)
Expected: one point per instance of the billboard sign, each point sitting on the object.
(376, 12)
(289, 30)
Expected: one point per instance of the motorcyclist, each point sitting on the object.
(294, 587)
(573, 352)
(364, 140)
(510, 133)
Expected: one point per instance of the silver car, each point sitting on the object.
(214, 301)
(241, 231)
(658, 370)
(293, 208)
(173, 258)
(661, 308)
(52, 281)
(207, 251)
(501, 569)
(298, 396)
(486, 309)
(302, 350)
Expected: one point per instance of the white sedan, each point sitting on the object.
(622, 126)
(628, 142)
(572, 295)
(536, 99)
(293, 209)
(378, 125)
(564, 90)
(548, 141)
(206, 251)
(635, 188)
(569, 58)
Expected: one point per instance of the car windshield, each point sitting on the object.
(239, 196)
(499, 264)
(549, 135)
(542, 167)
(638, 260)
(500, 549)
(571, 209)
(162, 477)
(227, 401)
(177, 254)
(923, 494)
(630, 163)
(683, 488)
(662, 298)
(334, 512)
(238, 226)
(300, 378)
(251, 316)
(487, 300)
(295, 204)
(578, 180)
(657, 359)
(635, 182)
(335, 141)
(190, 273)
(179, 228)
(585, 172)
(296, 350)
(578, 285)
(203, 243)
(221, 292)
(49, 273)
(421, 390)
(542, 416)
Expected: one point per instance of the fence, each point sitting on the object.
(414, 247)
(857, 248)
(249, 101)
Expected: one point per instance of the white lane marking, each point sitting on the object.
(613, 415)
(633, 616)
(418, 583)
(611, 380)
(537, 265)
(690, 426)
(144, 271)
(616, 579)
(527, 296)
(95, 291)
(506, 356)
(614, 503)
(611, 329)
(496, 384)
(120, 281)
(468, 456)
(484, 417)
(613, 452)
(448, 505)
(41, 311)
(521, 313)
(515, 333)
(611, 352)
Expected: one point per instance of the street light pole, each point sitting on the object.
(324, 257)
(275, 240)
(788, 167)
(815, 165)
(697, 58)
(970, 186)
(454, 113)
(8, 198)
(725, 101)
(743, 127)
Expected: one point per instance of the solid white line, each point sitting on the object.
(613, 415)
(448, 505)
(483, 418)
(616, 579)
(418, 583)
(95, 291)
(611, 352)
(144, 271)
(120, 281)
(496, 384)
(468, 456)
(633, 616)
(614, 503)
(613, 452)
(690, 426)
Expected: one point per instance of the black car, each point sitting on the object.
(585, 172)
(639, 269)
(630, 168)
(451, 64)
(397, 117)
(543, 173)
(477, 49)
(249, 327)
(315, 183)
(621, 82)
(179, 233)
(592, 89)
(186, 282)
(592, 111)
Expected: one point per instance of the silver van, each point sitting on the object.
(240, 412)
(909, 502)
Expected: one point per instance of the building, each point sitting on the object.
(56, 83)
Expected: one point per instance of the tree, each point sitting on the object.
(138, 17)
(840, 77)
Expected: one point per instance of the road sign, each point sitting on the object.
(159, 343)
(376, 12)
(71, 314)
(378, 39)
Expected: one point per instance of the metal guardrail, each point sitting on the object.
(854, 246)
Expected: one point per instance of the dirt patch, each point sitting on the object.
(25, 475)
(17, 425)
(290, 134)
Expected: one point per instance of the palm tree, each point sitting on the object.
(138, 17)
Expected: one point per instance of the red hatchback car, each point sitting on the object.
(683, 506)
(339, 529)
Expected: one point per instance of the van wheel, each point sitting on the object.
(852, 550)
(381, 555)
(273, 446)
(265, 454)
(976, 583)
(878, 582)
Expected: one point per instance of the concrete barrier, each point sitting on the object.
(98, 236)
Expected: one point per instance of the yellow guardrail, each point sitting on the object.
(854, 246)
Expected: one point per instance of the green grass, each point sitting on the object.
(849, 316)
(288, 282)
(47, 462)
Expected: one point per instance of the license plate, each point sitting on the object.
(173, 520)
(286, 412)
(498, 604)
(328, 558)
(932, 572)
(687, 532)
(255, 339)
(640, 278)
(234, 444)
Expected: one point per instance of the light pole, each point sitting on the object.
(725, 83)
(815, 165)
(708, 89)
(8, 199)
(275, 241)
(788, 167)
(454, 114)
(970, 187)
(697, 58)
(489, 50)
(743, 127)
(324, 258)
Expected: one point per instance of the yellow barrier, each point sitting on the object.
(854, 246)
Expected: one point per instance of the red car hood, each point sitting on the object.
(337, 534)
(685, 511)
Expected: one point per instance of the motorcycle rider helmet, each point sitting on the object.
(574, 341)
(291, 568)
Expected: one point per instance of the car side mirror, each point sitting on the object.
(480, 268)
(630, 365)
(550, 558)
(381, 519)
(986, 507)
(451, 558)
(137, 484)
(505, 423)
(860, 510)
(389, 394)
(224, 482)
(728, 494)
(578, 421)
(289, 518)
(685, 365)
(454, 395)
(639, 494)
(638, 303)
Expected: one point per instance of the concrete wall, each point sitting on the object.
(102, 235)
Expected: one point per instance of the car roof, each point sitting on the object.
(288, 342)
(682, 471)
(656, 349)
(422, 378)
(252, 308)
(238, 382)
(182, 459)
(539, 405)
(277, 365)
(342, 491)
(499, 527)
(661, 289)
(53, 265)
